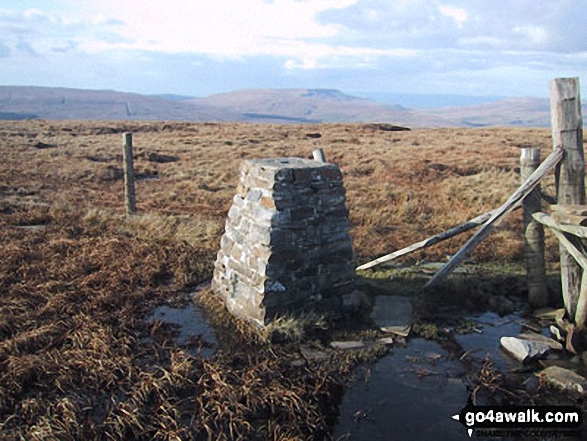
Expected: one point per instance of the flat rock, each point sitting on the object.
(552, 344)
(524, 350)
(393, 314)
(358, 344)
(557, 333)
(564, 379)
(385, 341)
(315, 355)
(567, 364)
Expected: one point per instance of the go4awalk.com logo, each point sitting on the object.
(521, 421)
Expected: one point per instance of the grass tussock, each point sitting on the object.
(77, 360)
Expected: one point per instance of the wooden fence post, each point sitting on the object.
(524, 190)
(129, 174)
(567, 132)
(534, 232)
(319, 155)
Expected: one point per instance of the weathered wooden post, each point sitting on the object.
(129, 174)
(319, 155)
(534, 232)
(567, 132)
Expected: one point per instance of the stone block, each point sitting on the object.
(286, 245)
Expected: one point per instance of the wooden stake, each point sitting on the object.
(534, 232)
(433, 240)
(567, 236)
(129, 174)
(533, 180)
(319, 155)
(567, 133)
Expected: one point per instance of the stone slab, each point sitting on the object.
(524, 350)
(564, 379)
(552, 344)
(345, 345)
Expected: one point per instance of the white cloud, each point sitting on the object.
(218, 27)
(536, 34)
(371, 14)
(321, 56)
(34, 13)
(459, 15)
(234, 29)
(225, 42)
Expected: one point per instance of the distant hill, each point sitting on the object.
(314, 105)
(62, 103)
(528, 112)
(260, 105)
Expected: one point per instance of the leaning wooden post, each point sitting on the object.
(567, 132)
(129, 174)
(534, 232)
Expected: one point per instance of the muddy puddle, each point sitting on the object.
(189, 326)
(412, 392)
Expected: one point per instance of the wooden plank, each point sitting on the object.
(550, 162)
(581, 313)
(551, 222)
(574, 249)
(567, 133)
(432, 240)
(569, 219)
(574, 210)
(533, 232)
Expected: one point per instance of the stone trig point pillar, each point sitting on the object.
(286, 245)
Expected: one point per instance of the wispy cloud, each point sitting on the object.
(412, 44)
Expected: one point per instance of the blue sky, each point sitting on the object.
(200, 47)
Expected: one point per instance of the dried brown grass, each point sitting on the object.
(77, 277)
(401, 186)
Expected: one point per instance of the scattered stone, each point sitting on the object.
(557, 333)
(311, 354)
(564, 379)
(385, 341)
(567, 364)
(552, 344)
(345, 345)
(393, 314)
(524, 350)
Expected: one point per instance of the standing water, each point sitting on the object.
(412, 393)
(191, 325)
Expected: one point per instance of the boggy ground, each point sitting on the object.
(77, 278)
